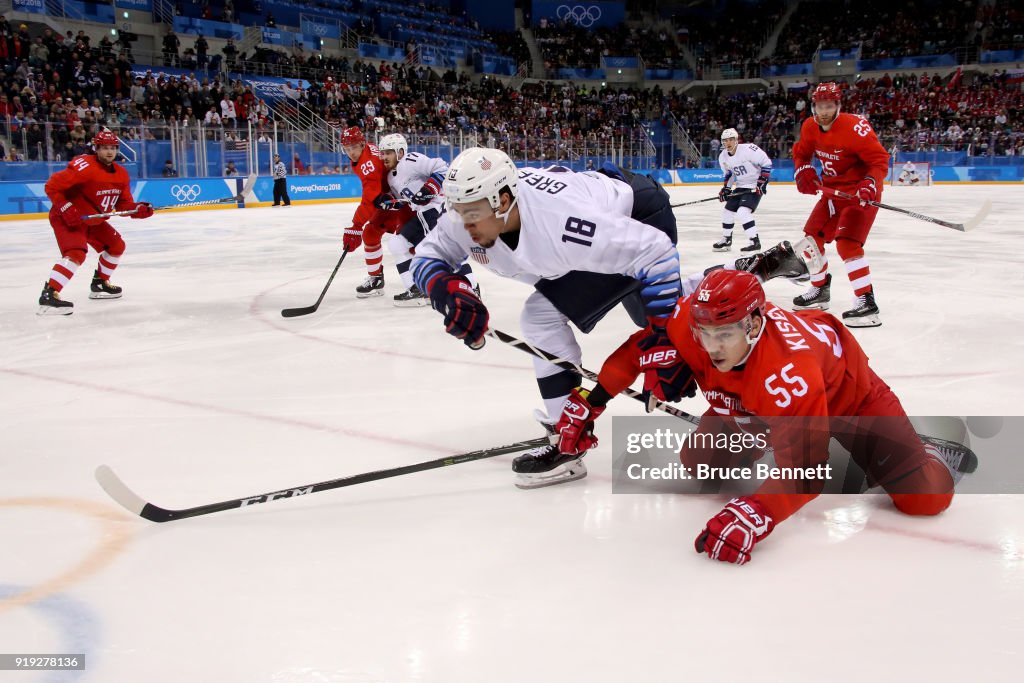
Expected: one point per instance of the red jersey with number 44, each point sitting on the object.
(848, 151)
(372, 174)
(91, 187)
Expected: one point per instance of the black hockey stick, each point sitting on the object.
(529, 348)
(962, 227)
(131, 501)
(709, 199)
(306, 310)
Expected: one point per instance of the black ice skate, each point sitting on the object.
(50, 303)
(725, 244)
(864, 313)
(373, 285)
(815, 297)
(411, 297)
(958, 458)
(545, 466)
(102, 289)
(778, 261)
(755, 245)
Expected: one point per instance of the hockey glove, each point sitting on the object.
(724, 193)
(866, 191)
(427, 193)
(807, 180)
(465, 316)
(575, 427)
(143, 210)
(762, 184)
(70, 216)
(730, 535)
(387, 202)
(352, 238)
(666, 376)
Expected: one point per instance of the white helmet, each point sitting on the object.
(727, 134)
(481, 173)
(395, 142)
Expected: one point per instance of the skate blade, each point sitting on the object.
(53, 310)
(104, 295)
(376, 292)
(411, 303)
(863, 321)
(560, 475)
(721, 249)
(812, 307)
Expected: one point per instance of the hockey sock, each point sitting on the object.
(107, 265)
(857, 268)
(751, 229)
(62, 272)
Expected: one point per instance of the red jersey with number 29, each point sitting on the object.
(848, 151)
(372, 173)
(91, 187)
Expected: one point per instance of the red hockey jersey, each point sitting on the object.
(849, 151)
(91, 187)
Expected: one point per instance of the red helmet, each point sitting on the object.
(827, 91)
(352, 136)
(725, 296)
(105, 137)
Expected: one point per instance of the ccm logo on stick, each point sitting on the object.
(290, 493)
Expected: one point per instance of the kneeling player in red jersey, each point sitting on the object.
(91, 183)
(751, 358)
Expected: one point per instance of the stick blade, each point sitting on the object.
(128, 499)
(117, 490)
(979, 217)
(296, 312)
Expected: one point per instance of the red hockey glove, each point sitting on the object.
(143, 210)
(70, 216)
(807, 180)
(762, 183)
(730, 535)
(465, 316)
(724, 193)
(575, 427)
(866, 191)
(352, 238)
(666, 375)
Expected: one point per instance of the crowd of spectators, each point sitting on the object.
(564, 44)
(56, 91)
(1001, 25)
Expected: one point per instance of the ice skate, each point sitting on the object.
(411, 298)
(102, 289)
(755, 245)
(373, 285)
(724, 244)
(958, 458)
(815, 297)
(864, 312)
(50, 303)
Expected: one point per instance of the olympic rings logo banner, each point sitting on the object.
(583, 14)
(186, 193)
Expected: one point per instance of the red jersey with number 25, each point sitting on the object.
(91, 187)
(848, 151)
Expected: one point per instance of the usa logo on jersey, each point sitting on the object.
(479, 255)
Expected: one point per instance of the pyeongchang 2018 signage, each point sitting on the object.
(593, 14)
(33, 6)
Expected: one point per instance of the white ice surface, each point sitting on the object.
(194, 389)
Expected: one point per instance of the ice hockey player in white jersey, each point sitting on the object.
(748, 169)
(908, 176)
(414, 179)
(584, 241)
